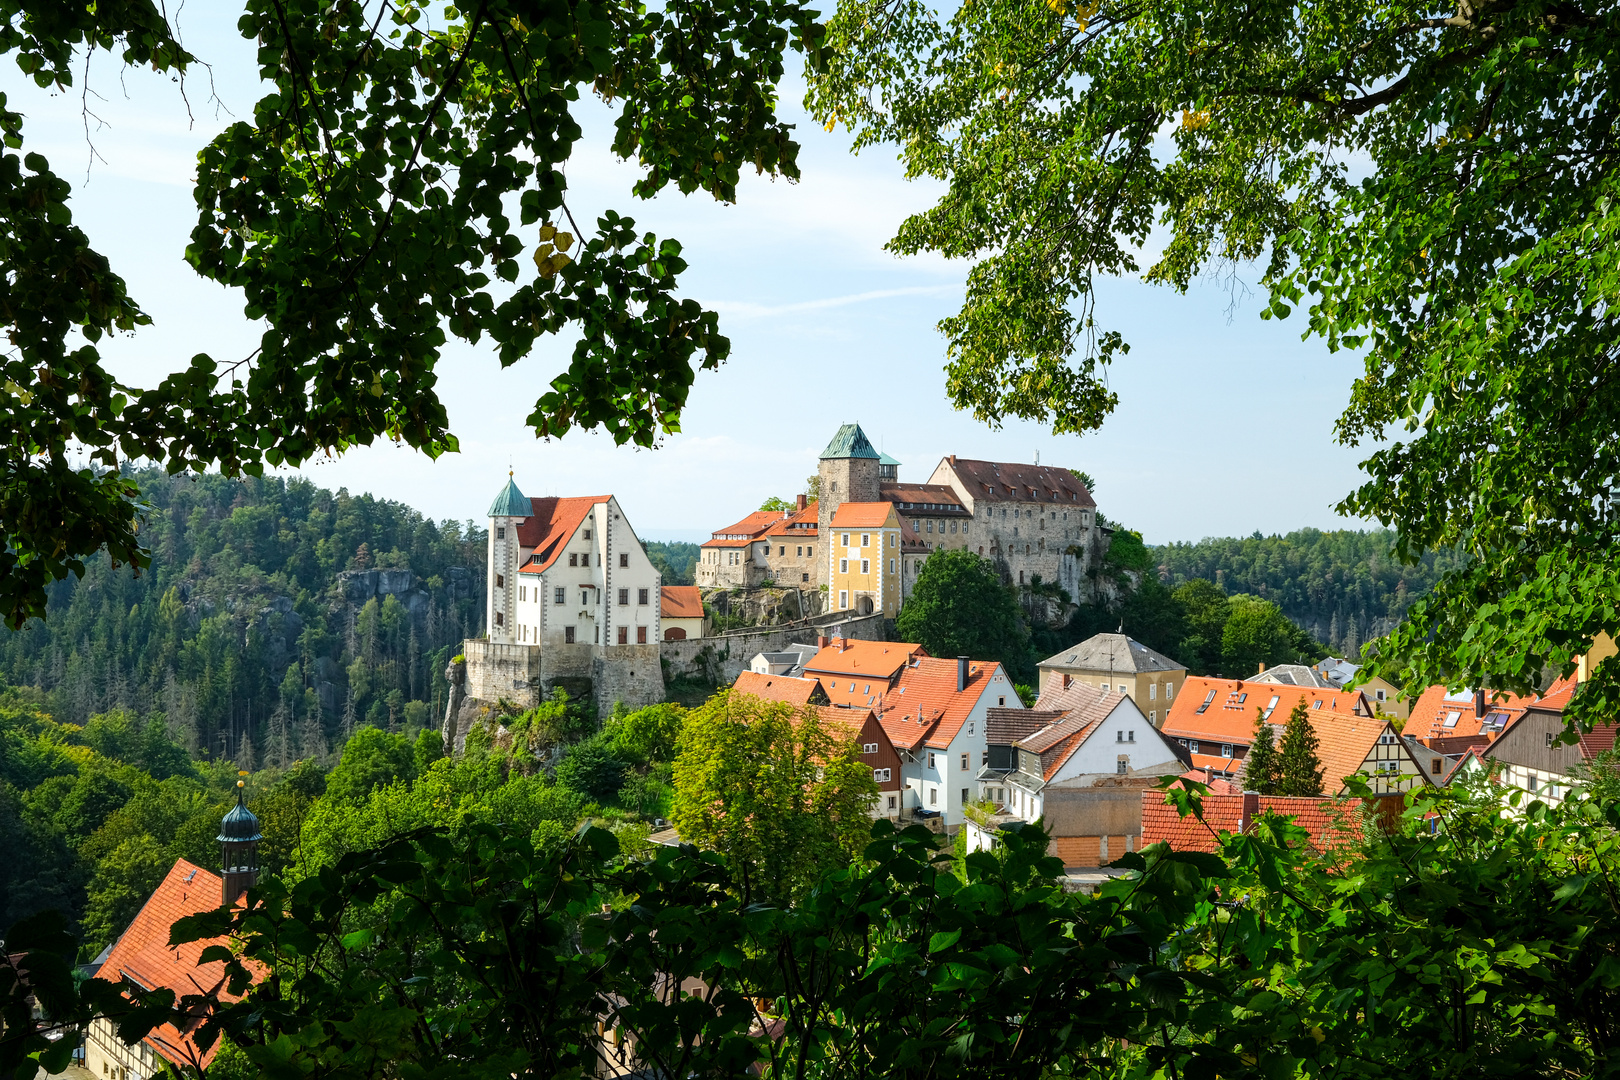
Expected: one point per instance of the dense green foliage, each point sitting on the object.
(362, 211)
(1299, 770)
(1461, 941)
(781, 793)
(1343, 587)
(244, 631)
(1434, 186)
(1261, 767)
(675, 560)
(959, 606)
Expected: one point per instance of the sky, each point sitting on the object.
(1224, 424)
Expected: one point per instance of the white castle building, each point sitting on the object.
(572, 595)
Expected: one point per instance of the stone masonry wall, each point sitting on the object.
(725, 657)
(631, 674)
(496, 670)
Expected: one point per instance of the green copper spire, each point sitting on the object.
(850, 442)
(510, 502)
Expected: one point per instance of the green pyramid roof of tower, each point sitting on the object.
(886, 459)
(510, 502)
(850, 442)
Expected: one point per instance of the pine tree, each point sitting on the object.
(1299, 770)
(1261, 767)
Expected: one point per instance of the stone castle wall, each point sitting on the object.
(497, 671)
(627, 674)
(721, 659)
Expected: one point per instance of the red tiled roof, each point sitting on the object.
(727, 543)
(1161, 823)
(1009, 482)
(142, 954)
(550, 527)
(1216, 762)
(1331, 823)
(942, 497)
(863, 659)
(849, 722)
(752, 525)
(904, 730)
(1433, 708)
(680, 602)
(861, 515)
(1343, 743)
(1215, 784)
(929, 685)
(799, 523)
(776, 687)
(1235, 703)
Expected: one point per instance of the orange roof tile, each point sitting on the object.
(1438, 711)
(863, 659)
(1230, 707)
(861, 515)
(549, 528)
(928, 687)
(143, 955)
(848, 721)
(1216, 762)
(1344, 742)
(727, 543)
(800, 523)
(680, 602)
(776, 687)
(904, 730)
(752, 525)
(1330, 823)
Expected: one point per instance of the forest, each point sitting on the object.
(1343, 587)
(275, 618)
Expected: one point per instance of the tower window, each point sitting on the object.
(500, 581)
(561, 596)
(624, 558)
(500, 532)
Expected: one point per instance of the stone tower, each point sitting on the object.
(509, 510)
(848, 472)
(238, 848)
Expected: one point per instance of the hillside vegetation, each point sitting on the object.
(275, 618)
(1344, 588)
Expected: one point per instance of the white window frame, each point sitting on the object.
(843, 599)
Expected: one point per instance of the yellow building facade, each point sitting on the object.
(863, 553)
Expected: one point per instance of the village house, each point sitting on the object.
(1115, 662)
(790, 660)
(784, 688)
(1214, 718)
(143, 957)
(1076, 765)
(933, 711)
(680, 612)
(1530, 753)
(1385, 696)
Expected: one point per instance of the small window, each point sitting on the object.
(641, 596)
(1119, 736)
(930, 759)
(500, 533)
(881, 776)
(522, 591)
(1530, 784)
(1226, 749)
(587, 534)
(866, 566)
(929, 527)
(964, 763)
(869, 748)
(1192, 746)
(891, 566)
(866, 539)
(568, 635)
(1434, 766)
(560, 596)
(584, 596)
(1549, 740)
(500, 619)
(573, 559)
(1153, 691)
(846, 539)
(1452, 717)
(1001, 701)
(1153, 718)
(799, 550)
(843, 566)
(1379, 694)
(500, 581)
(641, 635)
(933, 796)
(624, 597)
(843, 600)
(624, 635)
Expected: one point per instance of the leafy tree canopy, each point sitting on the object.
(960, 607)
(371, 759)
(1467, 255)
(363, 214)
(1299, 770)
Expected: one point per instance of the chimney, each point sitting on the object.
(1479, 702)
(804, 501)
(1066, 680)
(953, 459)
(961, 673)
(821, 641)
(1251, 808)
(1262, 670)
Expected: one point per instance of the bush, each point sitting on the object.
(591, 768)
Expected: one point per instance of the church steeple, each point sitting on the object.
(239, 848)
